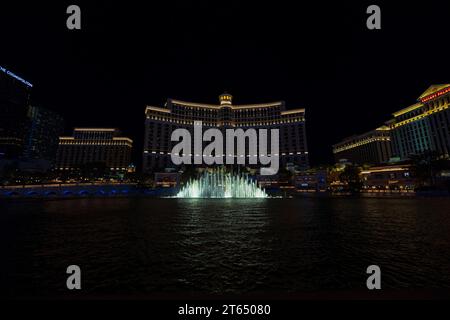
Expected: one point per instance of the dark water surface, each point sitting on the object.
(148, 246)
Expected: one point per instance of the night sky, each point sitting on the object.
(315, 55)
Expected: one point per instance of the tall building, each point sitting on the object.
(14, 102)
(94, 145)
(423, 126)
(44, 128)
(28, 134)
(419, 128)
(162, 121)
(373, 147)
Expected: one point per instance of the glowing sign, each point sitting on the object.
(16, 77)
(436, 95)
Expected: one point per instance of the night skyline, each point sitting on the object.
(224, 158)
(318, 57)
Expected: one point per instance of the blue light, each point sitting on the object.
(11, 74)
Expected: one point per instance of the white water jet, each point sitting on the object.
(220, 184)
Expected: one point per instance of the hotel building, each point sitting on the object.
(45, 126)
(373, 147)
(424, 126)
(92, 145)
(419, 128)
(14, 104)
(28, 134)
(162, 121)
(389, 177)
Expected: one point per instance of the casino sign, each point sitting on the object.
(434, 92)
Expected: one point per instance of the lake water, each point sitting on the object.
(128, 246)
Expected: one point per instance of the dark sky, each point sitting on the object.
(315, 55)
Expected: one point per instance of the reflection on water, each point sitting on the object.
(128, 246)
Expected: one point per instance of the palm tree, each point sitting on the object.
(425, 166)
(351, 175)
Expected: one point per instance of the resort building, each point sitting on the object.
(386, 178)
(424, 126)
(420, 128)
(94, 145)
(162, 121)
(373, 147)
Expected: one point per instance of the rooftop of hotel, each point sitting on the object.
(365, 135)
(223, 105)
(433, 91)
(115, 134)
(225, 101)
(407, 109)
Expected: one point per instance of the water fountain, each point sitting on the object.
(221, 184)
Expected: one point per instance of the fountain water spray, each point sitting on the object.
(221, 184)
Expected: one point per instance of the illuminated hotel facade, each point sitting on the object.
(419, 128)
(373, 147)
(94, 145)
(424, 126)
(162, 121)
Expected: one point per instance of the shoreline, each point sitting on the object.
(142, 195)
(132, 190)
